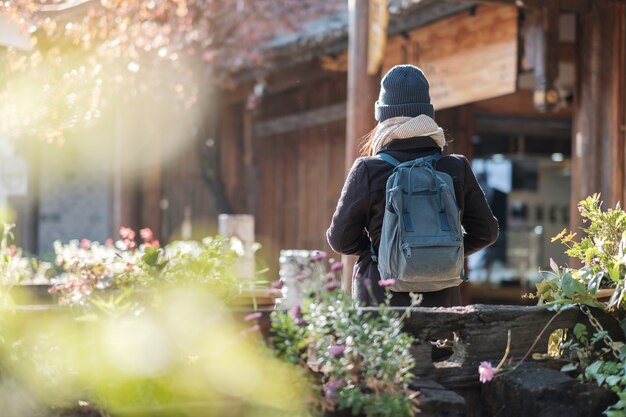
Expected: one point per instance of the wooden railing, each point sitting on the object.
(481, 335)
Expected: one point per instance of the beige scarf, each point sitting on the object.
(405, 128)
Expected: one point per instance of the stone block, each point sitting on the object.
(535, 391)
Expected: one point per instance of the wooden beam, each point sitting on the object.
(278, 81)
(423, 13)
(302, 120)
(528, 126)
(568, 6)
(519, 104)
(362, 92)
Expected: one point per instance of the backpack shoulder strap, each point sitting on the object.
(389, 159)
(432, 159)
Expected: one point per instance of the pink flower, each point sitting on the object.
(146, 234)
(278, 284)
(329, 278)
(85, 244)
(331, 287)
(152, 244)
(127, 233)
(337, 266)
(130, 244)
(253, 316)
(331, 387)
(296, 311)
(108, 243)
(209, 56)
(254, 329)
(486, 372)
(299, 277)
(387, 282)
(318, 256)
(336, 350)
(554, 265)
(12, 250)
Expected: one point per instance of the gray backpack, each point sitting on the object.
(421, 243)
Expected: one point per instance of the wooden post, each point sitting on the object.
(250, 172)
(362, 92)
(240, 226)
(598, 128)
(546, 61)
(126, 179)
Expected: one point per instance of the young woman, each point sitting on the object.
(406, 131)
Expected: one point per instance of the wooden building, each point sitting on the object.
(525, 87)
(528, 80)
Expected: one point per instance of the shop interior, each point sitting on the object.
(524, 168)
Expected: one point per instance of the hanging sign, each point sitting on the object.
(467, 57)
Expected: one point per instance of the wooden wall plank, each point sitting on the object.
(312, 118)
(231, 150)
(458, 125)
(299, 172)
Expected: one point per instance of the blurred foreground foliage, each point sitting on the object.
(184, 354)
(145, 330)
(149, 332)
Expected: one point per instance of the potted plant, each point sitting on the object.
(592, 351)
(601, 253)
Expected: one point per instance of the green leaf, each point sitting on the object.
(569, 367)
(613, 380)
(598, 336)
(589, 255)
(567, 285)
(580, 331)
(614, 272)
(151, 256)
(591, 372)
(594, 281)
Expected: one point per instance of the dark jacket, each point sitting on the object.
(358, 218)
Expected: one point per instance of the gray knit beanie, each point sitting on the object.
(403, 92)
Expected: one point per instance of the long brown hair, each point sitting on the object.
(367, 142)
